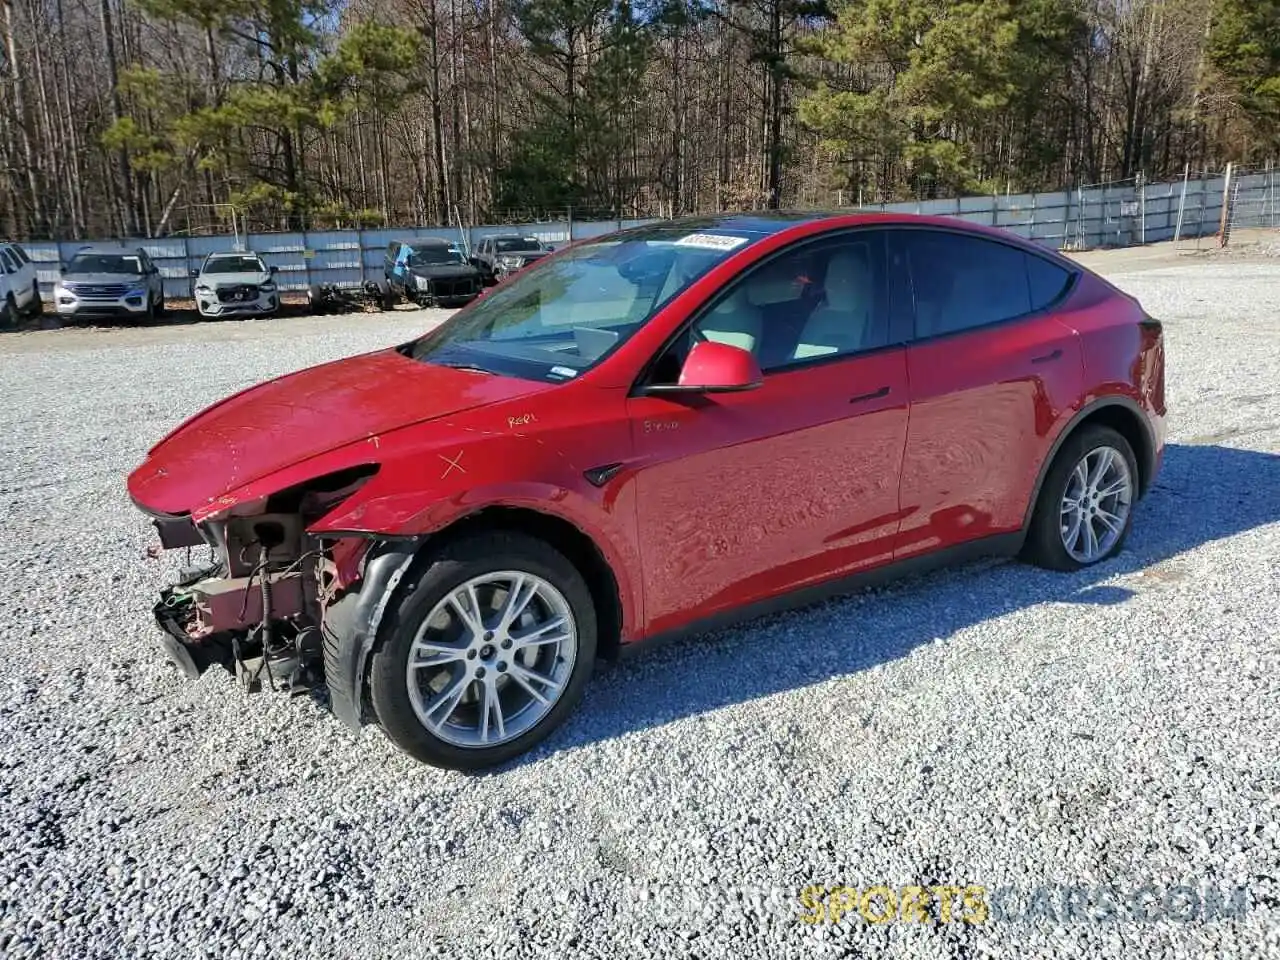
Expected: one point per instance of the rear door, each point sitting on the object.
(991, 370)
(743, 496)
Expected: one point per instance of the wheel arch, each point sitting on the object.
(1121, 414)
(354, 621)
(576, 545)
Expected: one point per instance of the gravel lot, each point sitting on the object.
(995, 725)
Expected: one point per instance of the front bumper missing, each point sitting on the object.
(191, 657)
(203, 618)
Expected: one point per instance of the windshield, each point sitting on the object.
(567, 311)
(522, 244)
(246, 264)
(426, 256)
(104, 263)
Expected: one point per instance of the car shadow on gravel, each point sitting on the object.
(850, 634)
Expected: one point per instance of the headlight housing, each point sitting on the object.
(268, 287)
(202, 287)
(422, 283)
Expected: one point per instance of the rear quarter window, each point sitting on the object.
(1047, 281)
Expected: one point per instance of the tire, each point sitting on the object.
(9, 312)
(387, 295)
(1053, 525)
(150, 316)
(160, 307)
(314, 299)
(460, 745)
(36, 307)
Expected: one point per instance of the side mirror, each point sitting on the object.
(195, 272)
(715, 368)
(274, 270)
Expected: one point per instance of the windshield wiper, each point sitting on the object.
(464, 366)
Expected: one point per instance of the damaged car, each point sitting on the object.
(235, 284)
(431, 273)
(498, 257)
(641, 436)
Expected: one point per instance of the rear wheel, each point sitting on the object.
(8, 312)
(36, 307)
(1086, 502)
(485, 654)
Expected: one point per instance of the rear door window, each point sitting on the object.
(961, 282)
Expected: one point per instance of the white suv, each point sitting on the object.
(105, 281)
(19, 286)
(236, 284)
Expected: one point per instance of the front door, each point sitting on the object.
(742, 496)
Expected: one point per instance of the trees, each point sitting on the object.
(1244, 51)
(315, 113)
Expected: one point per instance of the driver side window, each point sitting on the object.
(819, 300)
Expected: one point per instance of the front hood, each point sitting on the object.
(445, 271)
(96, 278)
(216, 280)
(282, 422)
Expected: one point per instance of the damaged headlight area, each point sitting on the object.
(255, 606)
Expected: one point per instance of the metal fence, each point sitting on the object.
(1117, 214)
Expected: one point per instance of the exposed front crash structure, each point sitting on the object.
(268, 594)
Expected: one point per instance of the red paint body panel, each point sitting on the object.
(742, 496)
(985, 407)
(293, 418)
(718, 500)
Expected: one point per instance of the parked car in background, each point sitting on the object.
(105, 280)
(19, 285)
(496, 257)
(647, 434)
(431, 272)
(236, 284)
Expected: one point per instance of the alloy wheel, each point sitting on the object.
(1095, 505)
(492, 659)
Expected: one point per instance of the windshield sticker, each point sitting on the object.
(710, 241)
(563, 372)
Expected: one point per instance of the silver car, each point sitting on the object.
(235, 285)
(110, 281)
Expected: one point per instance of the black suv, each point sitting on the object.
(431, 272)
(498, 256)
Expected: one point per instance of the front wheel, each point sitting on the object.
(387, 294)
(1086, 502)
(36, 307)
(485, 653)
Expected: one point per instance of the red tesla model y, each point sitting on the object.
(646, 434)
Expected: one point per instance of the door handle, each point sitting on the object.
(1048, 357)
(860, 398)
